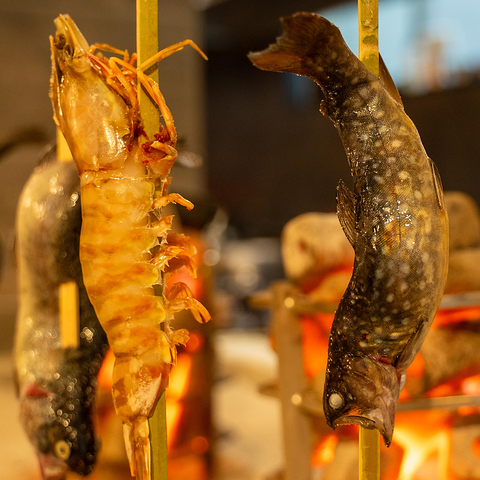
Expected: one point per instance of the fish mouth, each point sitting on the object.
(370, 420)
(364, 422)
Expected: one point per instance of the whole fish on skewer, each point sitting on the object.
(56, 386)
(394, 218)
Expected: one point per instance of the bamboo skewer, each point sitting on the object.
(369, 440)
(368, 34)
(147, 46)
(369, 459)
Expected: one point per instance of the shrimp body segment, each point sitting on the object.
(124, 246)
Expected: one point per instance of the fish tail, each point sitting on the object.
(310, 46)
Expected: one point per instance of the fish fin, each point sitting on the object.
(388, 82)
(346, 211)
(405, 358)
(311, 46)
(437, 181)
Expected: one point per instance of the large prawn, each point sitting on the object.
(126, 248)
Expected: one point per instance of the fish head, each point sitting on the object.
(61, 432)
(363, 391)
(93, 117)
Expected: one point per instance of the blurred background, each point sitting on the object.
(261, 151)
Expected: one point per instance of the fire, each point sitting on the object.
(324, 451)
(471, 385)
(421, 435)
(179, 380)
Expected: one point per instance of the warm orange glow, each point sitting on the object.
(195, 342)
(324, 451)
(443, 390)
(315, 344)
(199, 445)
(179, 377)
(105, 375)
(476, 447)
(173, 413)
(417, 367)
(179, 380)
(471, 385)
(421, 435)
(455, 315)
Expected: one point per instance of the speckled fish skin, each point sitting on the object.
(395, 219)
(56, 386)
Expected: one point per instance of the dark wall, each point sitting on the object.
(269, 159)
(449, 124)
(272, 155)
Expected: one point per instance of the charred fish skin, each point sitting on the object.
(56, 386)
(395, 219)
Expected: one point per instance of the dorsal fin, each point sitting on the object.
(406, 356)
(346, 211)
(388, 82)
(437, 182)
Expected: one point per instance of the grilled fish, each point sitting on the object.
(394, 218)
(56, 386)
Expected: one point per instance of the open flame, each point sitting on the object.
(324, 451)
(179, 380)
(421, 435)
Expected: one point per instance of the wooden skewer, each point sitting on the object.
(368, 34)
(369, 440)
(369, 461)
(69, 315)
(147, 46)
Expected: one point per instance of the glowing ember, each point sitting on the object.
(324, 451)
(421, 435)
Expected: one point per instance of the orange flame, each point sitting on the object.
(324, 451)
(179, 381)
(421, 435)
(104, 377)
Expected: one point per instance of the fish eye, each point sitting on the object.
(335, 400)
(62, 449)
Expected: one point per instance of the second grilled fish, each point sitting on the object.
(56, 386)
(395, 219)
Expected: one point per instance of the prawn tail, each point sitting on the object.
(137, 444)
(310, 46)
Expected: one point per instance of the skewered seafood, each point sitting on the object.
(395, 219)
(125, 249)
(56, 386)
